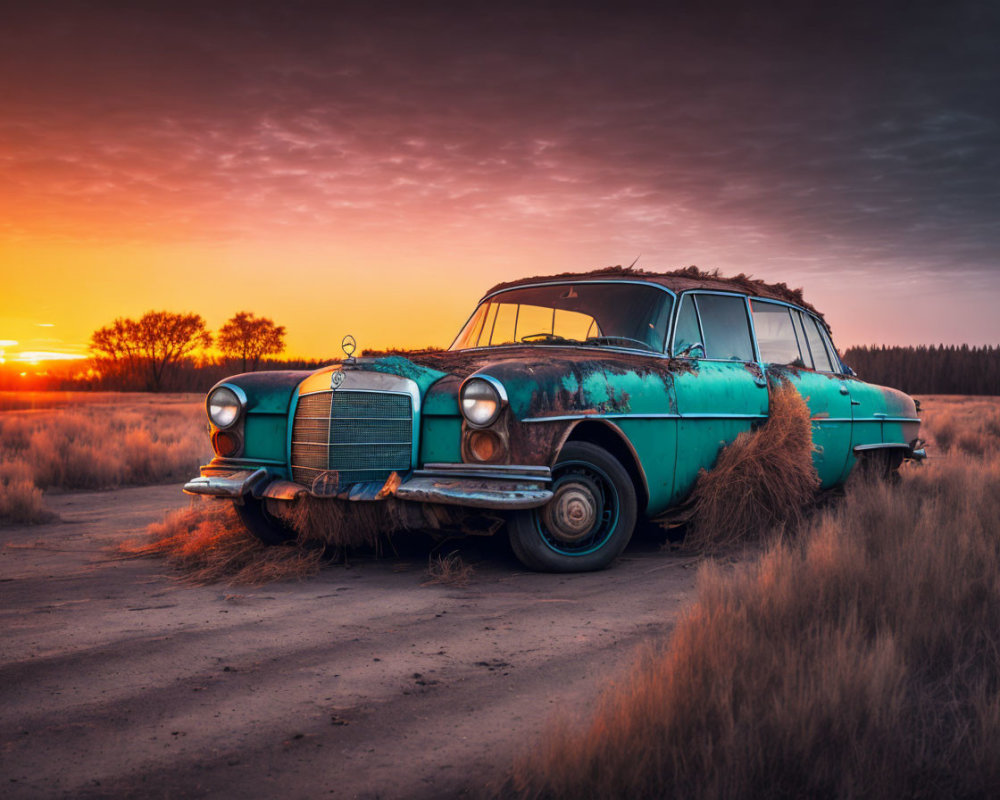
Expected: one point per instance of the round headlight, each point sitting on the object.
(482, 401)
(223, 407)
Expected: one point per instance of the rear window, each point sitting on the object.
(725, 327)
(819, 352)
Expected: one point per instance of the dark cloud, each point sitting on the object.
(859, 135)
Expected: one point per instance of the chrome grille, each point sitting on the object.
(363, 435)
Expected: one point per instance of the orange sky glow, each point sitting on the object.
(375, 177)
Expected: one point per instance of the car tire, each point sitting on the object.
(880, 466)
(589, 520)
(264, 526)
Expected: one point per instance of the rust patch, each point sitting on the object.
(539, 442)
(589, 360)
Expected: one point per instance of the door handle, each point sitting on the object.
(760, 380)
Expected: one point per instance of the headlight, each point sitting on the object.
(482, 401)
(223, 407)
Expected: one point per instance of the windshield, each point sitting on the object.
(598, 314)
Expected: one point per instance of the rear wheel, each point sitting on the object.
(881, 465)
(266, 527)
(588, 521)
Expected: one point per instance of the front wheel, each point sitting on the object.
(267, 528)
(588, 521)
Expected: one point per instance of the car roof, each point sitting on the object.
(678, 280)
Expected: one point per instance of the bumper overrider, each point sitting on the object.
(499, 487)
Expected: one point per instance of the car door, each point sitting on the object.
(724, 392)
(786, 337)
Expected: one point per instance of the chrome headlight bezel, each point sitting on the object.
(225, 412)
(481, 400)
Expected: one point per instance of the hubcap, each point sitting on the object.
(574, 510)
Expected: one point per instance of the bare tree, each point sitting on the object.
(144, 351)
(249, 338)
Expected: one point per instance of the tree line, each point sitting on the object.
(929, 369)
(154, 352)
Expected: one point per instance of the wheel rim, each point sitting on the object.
(583, 513)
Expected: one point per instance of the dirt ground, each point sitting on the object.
(117, 680)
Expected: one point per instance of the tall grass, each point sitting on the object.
(863, 659)
(97, 446)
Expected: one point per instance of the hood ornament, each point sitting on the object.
(349, 344)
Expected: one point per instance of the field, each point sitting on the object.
(857, 658)
(51, 441)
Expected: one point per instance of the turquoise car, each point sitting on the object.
(568, 407)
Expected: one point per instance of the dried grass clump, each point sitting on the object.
(762, 482)
(20, 499)
(450, 570)
(860, 661)
(339, 524)
(207, 543)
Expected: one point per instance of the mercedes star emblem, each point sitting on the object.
(349, 345)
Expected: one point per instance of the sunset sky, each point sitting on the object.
(356, 168)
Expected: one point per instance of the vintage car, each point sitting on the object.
(570, 406)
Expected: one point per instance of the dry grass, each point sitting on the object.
(861, 660)
(20, 499)
(62, 443)
(449, 570)
(970, 425)
(207, 544)
(761, 483)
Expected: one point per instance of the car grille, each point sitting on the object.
(362, 435)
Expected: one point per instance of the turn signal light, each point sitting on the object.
(484, 445)
(225, 444)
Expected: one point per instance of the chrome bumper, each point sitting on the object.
(471, 485)
(487, 486)
(233, 485)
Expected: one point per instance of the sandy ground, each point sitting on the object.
(119, 681)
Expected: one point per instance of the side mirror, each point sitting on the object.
(688, 352)
(847, 370)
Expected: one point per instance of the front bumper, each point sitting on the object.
(470, 485)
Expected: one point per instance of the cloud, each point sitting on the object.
(866, 137)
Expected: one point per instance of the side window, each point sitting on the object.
(776, 339)
(820, 356)
(688, 332)
(830, 349)
(725, 326)
(800, 334)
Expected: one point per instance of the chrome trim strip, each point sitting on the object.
(583, 416)
(534, 471)
(565, 417)
(484, 475)
(859, 448)
(567, 281)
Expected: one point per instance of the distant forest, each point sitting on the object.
(934, 369)
(940, 369)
